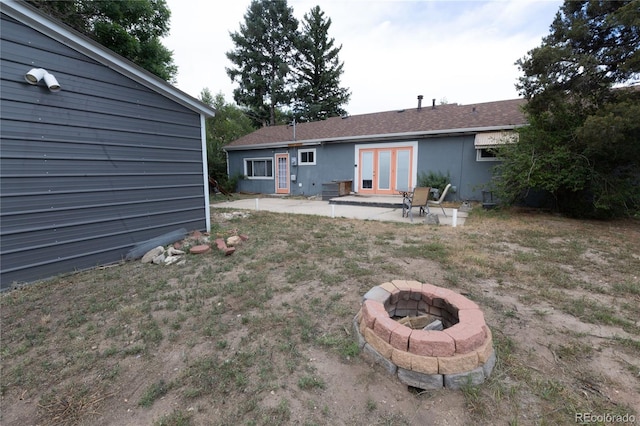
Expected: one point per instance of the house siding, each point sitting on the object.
(88, 172)
(333, 162)
(456, 156)
(453, 155)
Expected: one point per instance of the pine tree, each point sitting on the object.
(318, 93)
(263, 54)
(581, 144)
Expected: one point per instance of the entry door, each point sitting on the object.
(282, 173)
(385, 170)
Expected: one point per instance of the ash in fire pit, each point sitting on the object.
(430, 337)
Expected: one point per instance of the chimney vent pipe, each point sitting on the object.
(420, 102)
(433, 104)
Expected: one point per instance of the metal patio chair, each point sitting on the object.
(439, 201)
(419, 198)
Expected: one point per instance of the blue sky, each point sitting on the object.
(459, 51)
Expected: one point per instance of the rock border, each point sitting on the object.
(461, 354)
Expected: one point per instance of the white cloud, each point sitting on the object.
(463, 51)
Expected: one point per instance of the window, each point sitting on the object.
(487, 144)
(486, 154)
(258, 168)
(307, 157)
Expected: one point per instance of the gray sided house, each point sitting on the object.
(95, 157)
(379, 153)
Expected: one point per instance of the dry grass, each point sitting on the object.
(263, 336)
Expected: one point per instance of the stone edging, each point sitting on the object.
(460, 354)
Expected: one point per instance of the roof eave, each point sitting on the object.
(73, 39)
(374, 138)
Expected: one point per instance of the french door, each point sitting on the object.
(385, 170)
(282, 173)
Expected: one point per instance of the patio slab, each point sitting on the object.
(365, 210)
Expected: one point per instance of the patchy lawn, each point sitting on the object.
(264, 337)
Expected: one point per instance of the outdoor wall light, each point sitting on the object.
(36, 74)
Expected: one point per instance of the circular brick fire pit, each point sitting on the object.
(453, 350)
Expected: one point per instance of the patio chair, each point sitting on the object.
(418, 198)
(439, 201)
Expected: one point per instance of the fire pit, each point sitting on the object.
(429, 337)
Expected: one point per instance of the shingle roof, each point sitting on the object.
(443, 119)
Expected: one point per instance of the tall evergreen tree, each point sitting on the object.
(262, 58)
(569, 82)
(131, 28)
(593, 44)
(318, 93)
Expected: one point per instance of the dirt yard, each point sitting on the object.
(263, 336)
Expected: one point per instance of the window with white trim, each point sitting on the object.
(487, 144)
(307, 157)
(486, 154)
(258, 168)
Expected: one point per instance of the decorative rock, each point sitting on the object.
(171, 251)
(151, 254)
(234, 240)
(171, 259)
(203, 248)
(220, 244)
(159, 259)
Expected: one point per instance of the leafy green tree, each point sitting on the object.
(593, 46)
(229, 124)
(611, 139)
(131, 28)
(318, 93)
(262, 58)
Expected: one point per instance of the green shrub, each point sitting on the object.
(434, 180)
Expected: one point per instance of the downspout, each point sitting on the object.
(205, 172)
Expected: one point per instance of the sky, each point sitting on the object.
(393, 50)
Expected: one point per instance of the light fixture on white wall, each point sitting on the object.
(36, 74)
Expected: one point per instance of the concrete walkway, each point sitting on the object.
(326, 208)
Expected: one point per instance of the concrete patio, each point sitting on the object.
(382, 208)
